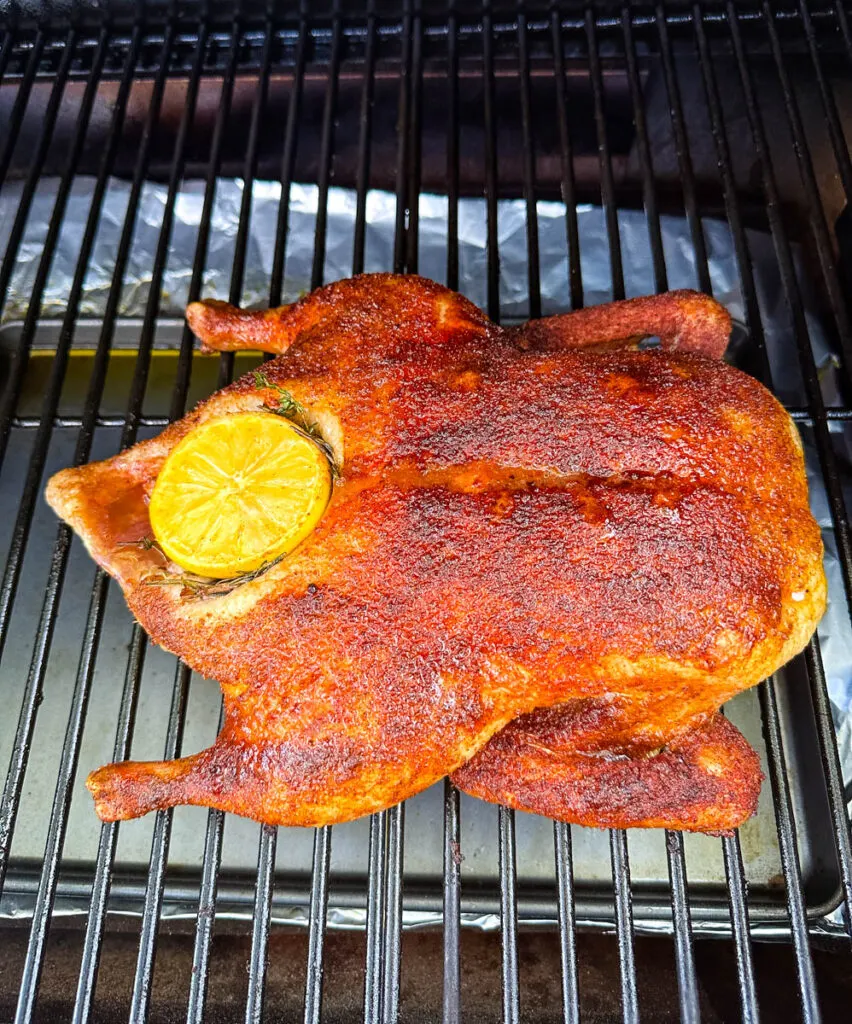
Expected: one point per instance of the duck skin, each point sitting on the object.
(575, 762)
(527, 519)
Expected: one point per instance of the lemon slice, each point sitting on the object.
(237, 492)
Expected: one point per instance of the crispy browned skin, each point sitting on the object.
(566, 762)
(513, 528)
(683, 320)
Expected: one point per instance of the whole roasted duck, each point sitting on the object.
(548, 559)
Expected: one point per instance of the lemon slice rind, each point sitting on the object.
(238, 492)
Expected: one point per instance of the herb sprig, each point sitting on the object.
(146, 543)
(297, 414)
(202, 587)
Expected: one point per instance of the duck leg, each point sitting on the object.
(685, 320)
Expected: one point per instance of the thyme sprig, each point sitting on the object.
(146, 543)
(196, 585)
(297, 414)
(203, 587)
(193, 584)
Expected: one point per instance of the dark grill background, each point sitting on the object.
(547, 104)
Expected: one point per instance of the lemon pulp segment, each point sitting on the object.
(238, 491)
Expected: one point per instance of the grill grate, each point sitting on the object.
(351, 70)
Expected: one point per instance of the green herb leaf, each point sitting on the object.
(294, 411)
(146, 543)
(204, 587)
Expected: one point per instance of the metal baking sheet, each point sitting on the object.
(424, 813)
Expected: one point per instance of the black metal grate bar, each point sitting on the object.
(831, 769)
(184, 370)
(322, 837)
(817, 220)
(759, 363)
(505, 817)
(287, 168)
(737, 892)
(200, 973)
(684, 958)
(685, 962)
(405, 241)
(797, 413)
(533, 262)
(777, 772)
(376, 894)
(261, 922)
(567, 922)
(738, 895)
(508, 914)
(93, 938)
(778, 777)
(152, 305)
(568, 184)
(6, 48)
(683, 155)
(393, 917)
(838, 140)
(141, 998)
(34, 962)
(267, 835)
(215, 819)
(326, 148)
(451, 1000)
(604, 160)
(377, 856)
(400, 245)
(130, 695)
(493, 264)
(624, 923)
(618, 838)
(59, 814)
(789, 856)
(643, 149)
(316, 930)
(452, 151)
(364, 141)
(7, 266)
(840, 522)
(32, 691)
(738, 903)
(406, 230)
(235, 291)
(794, 300)
(22, 97)
(413, 154)
(14, 382)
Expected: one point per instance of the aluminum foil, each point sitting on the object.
(835, 633)
(381, 219)
(20, 908)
